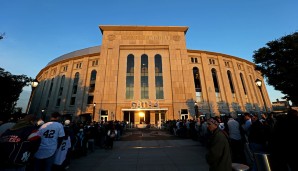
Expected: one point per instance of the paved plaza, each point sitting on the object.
(146, 150)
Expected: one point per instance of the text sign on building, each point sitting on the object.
(144, 104)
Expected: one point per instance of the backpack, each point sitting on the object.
(16, 149)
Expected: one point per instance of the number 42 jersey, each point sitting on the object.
(49, 133)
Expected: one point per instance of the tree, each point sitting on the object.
(11, 88)
(278, 62)
(2, 35)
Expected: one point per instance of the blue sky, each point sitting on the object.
(37, 31)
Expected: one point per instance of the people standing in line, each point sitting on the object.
(52, 134)
(62, 154)
(258, 135)
(247, 123)
(218, 156)
(236, 143)
(283, 144)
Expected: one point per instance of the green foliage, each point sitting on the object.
(278, 62)
(11, 88)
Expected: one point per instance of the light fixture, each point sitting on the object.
(141, 114)
(258, 82)
(34, 83)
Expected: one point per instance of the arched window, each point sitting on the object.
(158, 77)
(243, 83)
(51, 88)
(231, 83)
(61, 85)
(60, 90)
(216, 85)
(50, 92)
(92, 82)
(75, 83)
(130, 76)
(93, 75)
(144, 77)
(197, 82)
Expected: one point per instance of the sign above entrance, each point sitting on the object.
(145, 104)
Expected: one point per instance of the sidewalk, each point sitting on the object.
(146, 150)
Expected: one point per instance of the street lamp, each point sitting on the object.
(259, 85)
(94, 105)
(34, 84)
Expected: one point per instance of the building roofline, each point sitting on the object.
(219, 54)
(142, 28)
(81, 52)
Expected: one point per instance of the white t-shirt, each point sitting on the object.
(61, 152)
(49, 133)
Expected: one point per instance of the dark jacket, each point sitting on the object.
(218, 156)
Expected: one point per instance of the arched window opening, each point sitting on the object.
(231, 83)
(60, 90)
(130, 77)
(75, 83)
(144, 77)
(197, 82)
(216, 85)
(244, 86)
(92, 81)
(243, 83)
(158, 77)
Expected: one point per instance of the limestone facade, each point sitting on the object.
(66, 84)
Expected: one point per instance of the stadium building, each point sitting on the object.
(143, 74)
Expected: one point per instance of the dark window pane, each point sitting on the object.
(130, 64)
(215, 81)
(72, 100)
(197, 80)
(130, 77)
(144, 77)
(158, 77)
(231, 82)
(93, 75)
(90, 100)
(243, 83)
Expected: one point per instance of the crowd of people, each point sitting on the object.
(238, 138)
(51, 146)
(229, 139)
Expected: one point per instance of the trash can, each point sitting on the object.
(262, 161)
(239, 167)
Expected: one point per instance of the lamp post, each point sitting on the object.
(34, 84)
(94, 105)
(259, 85)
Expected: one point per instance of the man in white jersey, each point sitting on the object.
(51, 134)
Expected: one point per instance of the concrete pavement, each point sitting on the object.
(142, 150)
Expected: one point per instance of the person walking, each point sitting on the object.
(218, 156)
(52, 134)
